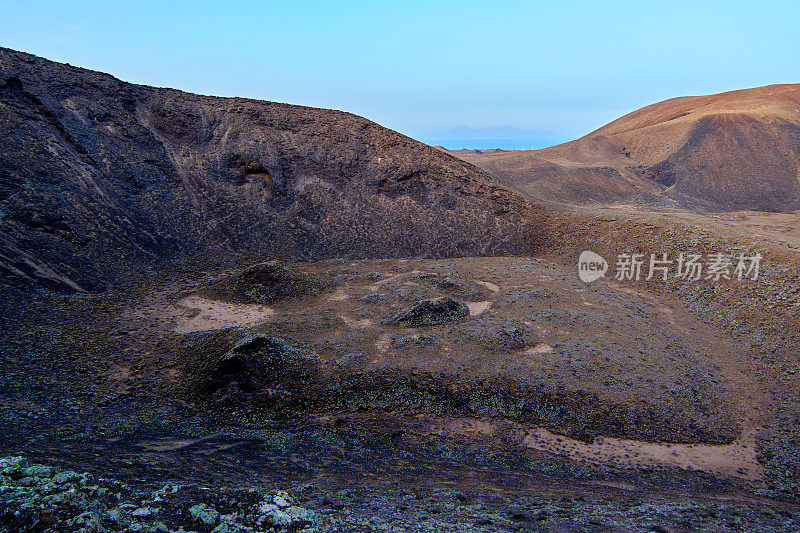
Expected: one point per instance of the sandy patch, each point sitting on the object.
(383, 343)
(539, 349)
(195, 313)
(491, 286)
(354, 323)
(735, 460)
(476, 308)
(338, 295)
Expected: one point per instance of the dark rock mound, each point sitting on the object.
(430, 312)
(260, 372)
(265, 283)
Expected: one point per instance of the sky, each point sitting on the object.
(565, 67)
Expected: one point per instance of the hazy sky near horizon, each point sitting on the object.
(423, 66)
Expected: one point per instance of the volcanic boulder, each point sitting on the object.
(259, 370)
(430, 312)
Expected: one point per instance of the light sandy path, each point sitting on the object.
(355, 323)
(195, 313)
(735, 460)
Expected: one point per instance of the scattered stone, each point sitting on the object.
(280, 500)
(280, 511)
(416, 339)
(13, 466)
(205, 514)
(39, 471)
(231, 527)
(79, 503)
(66, 477)
(119, 517)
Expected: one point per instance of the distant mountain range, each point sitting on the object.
(738, 150)
(505, 137)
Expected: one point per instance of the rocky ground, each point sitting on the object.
(377, 388)
(37, 497)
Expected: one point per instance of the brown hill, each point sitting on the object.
(730, 151)
(100, 178)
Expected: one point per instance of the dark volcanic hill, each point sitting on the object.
(732, 151)
(100, 178)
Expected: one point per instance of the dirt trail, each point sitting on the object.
(735, 460)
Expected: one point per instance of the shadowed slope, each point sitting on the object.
(100, 179)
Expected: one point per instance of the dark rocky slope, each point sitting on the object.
(100, 179)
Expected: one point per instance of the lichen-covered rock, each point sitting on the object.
(232, 527)
(66, 477)
(142, 512)
(39, 471)
(13, 466)
(205, 514)
(279, 510)
(119, 517)
(23, 509)
(80, 503)
(163, 492)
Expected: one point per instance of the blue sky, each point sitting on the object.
(420, 67)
